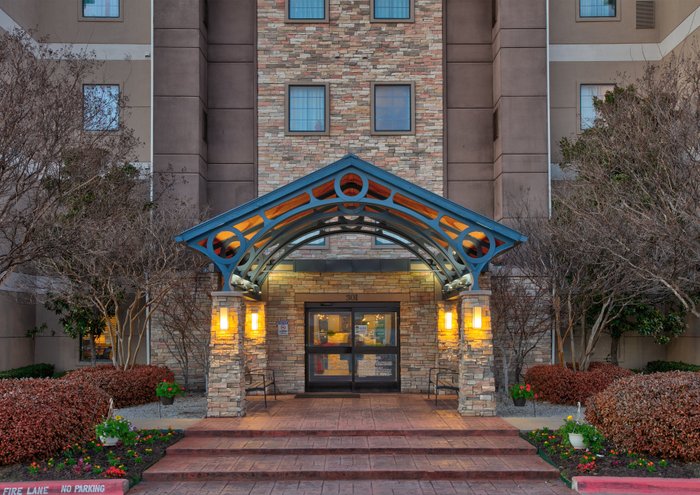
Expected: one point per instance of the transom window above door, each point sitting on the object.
(307, 109)
(307, 10)
(597, 8)
(392, 10)
(104, 9)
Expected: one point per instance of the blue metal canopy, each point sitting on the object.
(350, 196)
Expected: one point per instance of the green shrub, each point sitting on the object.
(658, 414)
(663, 366)
(40, 370)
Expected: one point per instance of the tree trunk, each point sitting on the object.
(93, 356)
(614, 346)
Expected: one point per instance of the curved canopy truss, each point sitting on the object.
(350, 196)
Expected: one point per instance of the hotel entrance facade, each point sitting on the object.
(351, 325)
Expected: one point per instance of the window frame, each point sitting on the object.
(290, 20)
(411, 14)
(578, 104)
(287, 110)
(410, 132)
(606, 18)
(119, 112)
(83, 18)
(82, 360)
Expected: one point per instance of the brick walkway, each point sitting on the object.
(378, 444)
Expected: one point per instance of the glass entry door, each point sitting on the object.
(352, 347)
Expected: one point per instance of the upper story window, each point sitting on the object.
(101, 8)
(392, 10)
(392, 108)
(588, 94)
(307, 10)
(307, 109)
(101, 107)
(597, 8)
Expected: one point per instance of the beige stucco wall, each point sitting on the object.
(16, 317)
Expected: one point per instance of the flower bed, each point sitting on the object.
(605, 459)
(92, 460)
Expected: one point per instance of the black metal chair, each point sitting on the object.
(258, 380)
(440, 378)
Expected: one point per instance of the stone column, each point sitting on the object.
(477, 387)
(226, 395)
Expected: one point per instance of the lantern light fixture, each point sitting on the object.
(476, 319)
(448, 320)
(223, 318)
(254, 321)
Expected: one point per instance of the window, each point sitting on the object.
(392, 10)
(103, 348)
(597, 8)
(589, 92)
(307, 109)
(307, 10)
(101, 8)
(392, 108)
(101, 107)
(321, 242)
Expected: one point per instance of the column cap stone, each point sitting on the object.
(467, 293)
(227, 293)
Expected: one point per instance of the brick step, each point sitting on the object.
(341, 445)
(257, 467)
(239, 433)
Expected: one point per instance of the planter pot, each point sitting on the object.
(109, 441)
(520, 401)
(167, 401)
(576, 440)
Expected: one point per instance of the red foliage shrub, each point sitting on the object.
(127, 387)
(559, 385)
(40, 417)
(658, 414)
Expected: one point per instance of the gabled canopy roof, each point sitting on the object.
(350, 196)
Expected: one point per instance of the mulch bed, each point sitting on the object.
(95, 461)
(605, 461)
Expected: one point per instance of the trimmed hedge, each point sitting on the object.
(41, 417)
(128, 388)
(663, 366)
(658, 414)
(40, 370)
(558, 385)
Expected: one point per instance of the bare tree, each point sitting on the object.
(46, 155)
(521, 319)
(637, 186)
(184, 319)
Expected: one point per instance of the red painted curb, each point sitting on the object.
(611, 485)
(104, 487)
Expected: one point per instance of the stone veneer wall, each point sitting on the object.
(417, 293)
(349, 52)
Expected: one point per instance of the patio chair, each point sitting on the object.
(440, 378)
(259, 380)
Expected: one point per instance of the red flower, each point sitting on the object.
(521, 387)
(528, 387)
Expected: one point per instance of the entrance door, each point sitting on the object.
(352, 347)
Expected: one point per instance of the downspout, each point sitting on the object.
(150, 192)
(549, 157)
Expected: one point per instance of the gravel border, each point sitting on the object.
(506, 408)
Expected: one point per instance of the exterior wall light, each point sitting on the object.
(254, 322)
(448, 320)
(223, 318)
(476, 318)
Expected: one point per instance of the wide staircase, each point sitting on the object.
(230, 455)
(369, 454)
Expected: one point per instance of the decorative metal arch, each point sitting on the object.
(350, 196)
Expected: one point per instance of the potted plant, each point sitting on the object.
(167, 391)
(520, 393)
(113, 430)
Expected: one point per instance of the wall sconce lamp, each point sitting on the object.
(448, 320)
(254, 321)
(476, 319)
(223, 318)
